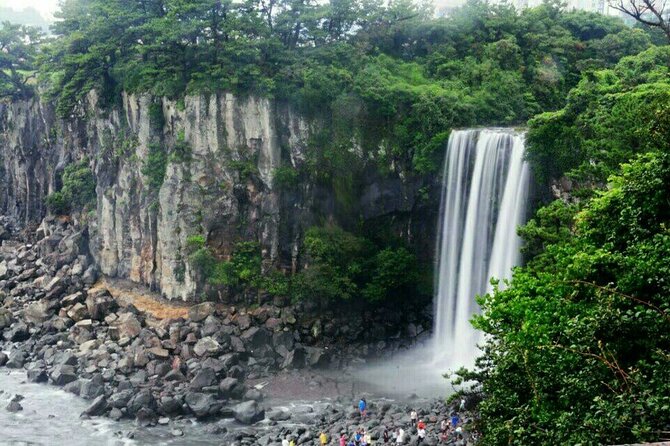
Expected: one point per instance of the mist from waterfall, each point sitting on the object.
(484, 195)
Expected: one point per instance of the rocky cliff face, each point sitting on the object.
(222, 153)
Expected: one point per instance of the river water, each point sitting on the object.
(51, 416)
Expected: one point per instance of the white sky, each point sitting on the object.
(48, 7)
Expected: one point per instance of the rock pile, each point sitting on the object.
(64, 329)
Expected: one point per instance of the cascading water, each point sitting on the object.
(484, 195)
(485, 189)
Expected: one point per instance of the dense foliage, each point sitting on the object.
(19, 45)
(579, 342)
(77, 191)
(390, 76)
(339, 266)
(608, 117)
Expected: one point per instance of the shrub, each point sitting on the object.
(155, 166)
(285, 177)
(78, 191)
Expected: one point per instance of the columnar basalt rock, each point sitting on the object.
(221, 154)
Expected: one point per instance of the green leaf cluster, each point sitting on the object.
(77, 192)
(343, 266)
(389, 80)
(579, 339)
(155, 166)
(609, 116)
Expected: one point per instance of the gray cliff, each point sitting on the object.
(224, 189)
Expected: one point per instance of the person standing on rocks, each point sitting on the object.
(363, 407)
(385, 435)
(284, 442)
(343, 440)
(412, 417)
(421, 432)
(367, 438)
(323, 439)
(400, 439)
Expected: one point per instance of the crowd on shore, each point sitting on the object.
(449, 431)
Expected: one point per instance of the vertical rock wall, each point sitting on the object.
(222, 188)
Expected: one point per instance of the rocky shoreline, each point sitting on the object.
(65, 329)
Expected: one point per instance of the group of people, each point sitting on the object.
(451, 431)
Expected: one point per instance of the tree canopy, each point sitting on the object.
(391, 73)
(579, 340)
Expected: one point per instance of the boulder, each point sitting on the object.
(17, 333)
(295, 359)
(38, 312)
(6, 318)
(204, 378)
(72, 299)
(207, 347)
(143, 399)
(279, 415)
(248, 412)
(37, 375)
(203, 405)
(17, 359)
(3, 359)
(97, 407)
(256, 338)
(63, 374)
(253, 394)
(92, 388)
(121, 398)
(317, 357)
(231, 388)
(14, 406)
(169, 406)
(78, 312)
(90, 275)
(200, 312)
(174, 375)
(128, 326)
(100, 303)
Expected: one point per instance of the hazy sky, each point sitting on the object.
(47, 7)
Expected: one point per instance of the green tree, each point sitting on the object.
(18, 49)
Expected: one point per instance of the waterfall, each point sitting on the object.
(484, 194)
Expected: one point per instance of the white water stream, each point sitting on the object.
(485, 190)
(484, 198)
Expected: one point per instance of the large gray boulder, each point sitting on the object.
(203, 405)
(249, 412)
(17, 333)
(38, 312)
(97, 407)
(231, 388)
(63, 374)
(207, 347)
(128, 326)
(200, 312)
(204, 378)
(143, 399)
(100, 303)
